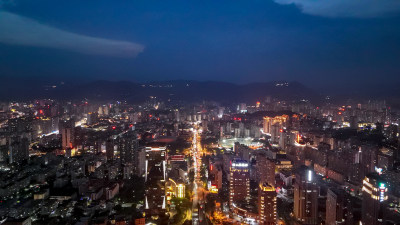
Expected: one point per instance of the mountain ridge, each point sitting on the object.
(177, 90)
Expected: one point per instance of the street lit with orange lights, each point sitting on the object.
(198, 215)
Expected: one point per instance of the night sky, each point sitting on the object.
(316, 42)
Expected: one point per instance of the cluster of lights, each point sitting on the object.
(149, 149)
(266, 188)
(370, 189)
(378, 170)
(214, 189)
(181, 191)
(240, 164)
(382, 190)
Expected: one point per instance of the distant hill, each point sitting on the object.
(13, 89)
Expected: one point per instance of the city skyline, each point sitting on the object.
(163, 161)
(260, 112)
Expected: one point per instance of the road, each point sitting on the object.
(198, 216)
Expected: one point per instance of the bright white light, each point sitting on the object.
(240, 164)
(378, 170)
(310, 175)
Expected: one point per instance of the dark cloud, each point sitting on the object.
(18, 30)
(346, 8)
(237, 41)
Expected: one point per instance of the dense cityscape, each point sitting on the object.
(255, 112)
(270, 162)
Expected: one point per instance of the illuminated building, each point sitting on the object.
(267, 204)
(213, 189)
(67, 134)
(283, 164)
(239, 183)
(141, 221)
(215, 177)
(180, 193)
(268, 122)
(177, 158)
(104, 110)
(306, 196)
(175, 189)
(366, 126)
(374, 194)
(275, 126)
(155, 177)
(67, 137)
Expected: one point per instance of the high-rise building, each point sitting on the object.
(239, 182)
(155, 177)
(369, 158)
(265, 169)
(335, 207)
(175, 188)
(267, 204)
(128, 170)
(92, 118)
(3, 150)
(374, 193)
(242, 108)
(3, 153)
(67, 134)
(215, 176)
(110, 149)
(280, 121)
(276, 133)
(141, 164)
(19, 150)
(128, 147)
(242, 151)
(306, 196)
(98, 146)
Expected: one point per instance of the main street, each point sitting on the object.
(198, 216)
